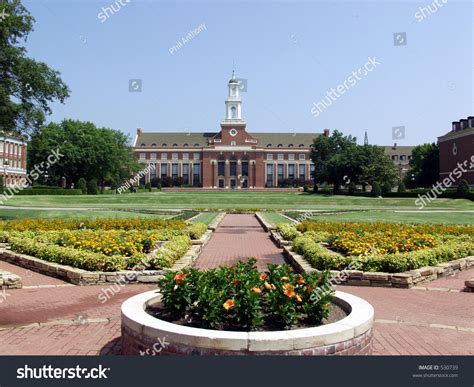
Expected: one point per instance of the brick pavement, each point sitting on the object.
(238, 237)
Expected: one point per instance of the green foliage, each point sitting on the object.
(65, 256)
(88, 152)
(148, 187)
(27, 87)
(92, 188)
(318, 256)
(1, 184)
(401, 186)
(352, 188)
(50, 191)
(82, 185)
(376, 190)
(462, 189)
(287, 231)
(197, 230)
(170, 252)
(386, 188)
(240, 297)
(424, 165)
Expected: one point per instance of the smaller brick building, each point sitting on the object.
(457, 148)
(12, 159)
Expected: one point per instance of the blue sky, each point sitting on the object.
(290, 52)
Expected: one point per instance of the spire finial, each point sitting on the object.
(366, 139)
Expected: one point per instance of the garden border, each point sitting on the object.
(405, 280)
(351, 335)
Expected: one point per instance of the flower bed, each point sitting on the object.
(380, 247)
(239, 297)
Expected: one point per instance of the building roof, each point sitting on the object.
(393, 150)
(458, 134)
(193, 139)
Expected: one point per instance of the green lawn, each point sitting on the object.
(13, 214)
(274, 218)
(228, 200)
(205, 217)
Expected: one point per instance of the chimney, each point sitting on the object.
(470, 120)
(395, 146)
(139, 131)
(464, 124)
(455, 126)
(326, 132)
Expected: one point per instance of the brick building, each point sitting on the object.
(455, 147)
(231, 158)
(12, 159)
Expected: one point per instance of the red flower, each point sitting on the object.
(263, 276)
(179, 277)
(229, 304)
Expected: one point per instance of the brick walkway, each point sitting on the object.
(236, 238)
(50, 317)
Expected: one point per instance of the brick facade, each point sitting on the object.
(13, 153)
(457, 148)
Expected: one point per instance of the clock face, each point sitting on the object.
(233, 132)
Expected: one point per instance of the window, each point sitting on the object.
(164, 145)
(196, 174)
(175, 145)
(164, 170)
(269, 156)
(281, 156)
(185, 156)
(281, 172)
(142, 156)
(185, 145)
(233, 168)
(311, 170)
(302, 172)
(153, 156)
(301, 145)
(143, 145)
(174, 170)
(221, 168)
(153, 172)
(233, 110)
(394, 157)
(280, 146)
(186, 173)
(269, 145)
(269, 175)
(291, 171)
(196, 144)
(153, 144)
(402, 157)
(196, 156)
(301, 156)
(291, 157)
(290, 146)
(233, 143)
(245, 168)
(174, 156)
(164, 156)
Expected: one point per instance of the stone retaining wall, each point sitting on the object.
(359, 278)
(469, 286)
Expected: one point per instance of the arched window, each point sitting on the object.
(233, 111)
(186, 144)
(269, 145)
(143, 145)
(290, 146)
(196, 144)
(153, 144)
(301, 145)
(164, 145)
(279, 146)
(175, 145)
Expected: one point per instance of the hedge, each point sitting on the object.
(197, 230)
(287, 231)
(49, 191)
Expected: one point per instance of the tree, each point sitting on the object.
(376, 167)
(1, 184)
(87, 151)
(424, 165)
(92, 188)
(401, 186)
(376, 191)
(27, 87)
(333, 159)
(82, 185)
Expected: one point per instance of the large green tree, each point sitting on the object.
(424, 165)
(87, 152)
(376, 166)
(27, 86)
(332, 156)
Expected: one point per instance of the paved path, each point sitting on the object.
(236, 238)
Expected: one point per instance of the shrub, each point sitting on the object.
(318, 256)
(1, 184)
(401, 186)
(76, 258)
(167, 181)
(92, 188)
(352, 188)
(50, 191)
(197, 230)
(287, 231)
(240, 297)
(170, 252)
(376, 190)
(462, 189)
(315, 188)
(148, 187)
(386, 188)
(82, 185)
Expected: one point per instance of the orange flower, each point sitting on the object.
(298, 297)
(285, 279)
(289, 293)
(179, 277)
(267, 286)
(228, 304)
(288, 287)
(256, 290)
(301, 280)
(263, 276)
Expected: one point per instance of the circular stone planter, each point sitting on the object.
(147, 335)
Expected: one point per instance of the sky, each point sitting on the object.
(291, 53)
